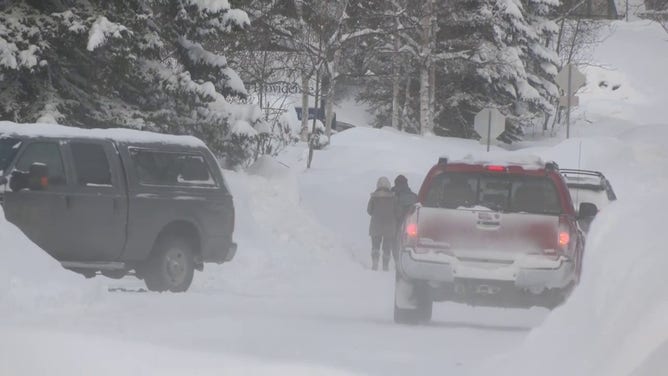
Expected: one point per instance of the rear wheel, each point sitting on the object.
(418, 294)
(171, 267)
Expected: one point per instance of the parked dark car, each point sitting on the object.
(117, 202)
(490, 234)
(588, 186)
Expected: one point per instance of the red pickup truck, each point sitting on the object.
(489, 233)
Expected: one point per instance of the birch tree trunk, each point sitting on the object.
(395, 78)
(426, 126)
(432, 94)
(424, 99)
(404, 107)
(329, 105)
(305, 92)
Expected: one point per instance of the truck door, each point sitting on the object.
(96, 205)
(40, 213)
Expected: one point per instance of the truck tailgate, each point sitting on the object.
(485, 234)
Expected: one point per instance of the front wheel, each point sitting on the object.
(171, 267)
(412, 302)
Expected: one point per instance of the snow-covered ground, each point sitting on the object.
(299, 298)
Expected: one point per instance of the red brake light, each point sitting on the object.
(564, 238)
(412, 230)
(496, 168)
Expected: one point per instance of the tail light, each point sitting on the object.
(564, 236)
(496, 168)
(412, 230)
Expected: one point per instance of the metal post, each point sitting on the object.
(568, 104)
(489, 129)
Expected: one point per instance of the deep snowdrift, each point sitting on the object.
(31, 280)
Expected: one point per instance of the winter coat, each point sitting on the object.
(382, 208)
(405, 200)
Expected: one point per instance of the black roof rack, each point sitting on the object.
(552, 166)
(603, 185)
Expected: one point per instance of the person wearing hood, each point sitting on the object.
(405, 201)
(405, 197)
(382, 208)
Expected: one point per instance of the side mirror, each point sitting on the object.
(587, 210)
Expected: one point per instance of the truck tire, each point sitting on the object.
(171, 266)
(424, 304)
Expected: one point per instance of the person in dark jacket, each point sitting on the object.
(405, 201)
(382, 208)
(405, 197)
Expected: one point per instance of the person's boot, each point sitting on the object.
(374, 262)
(386, 263)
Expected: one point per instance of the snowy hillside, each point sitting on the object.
(299, 298)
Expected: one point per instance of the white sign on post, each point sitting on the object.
(570, 80)
(489, 123)
(577, 79)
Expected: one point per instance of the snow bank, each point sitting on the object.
(633, 89)
(269, 168)
(31, 280)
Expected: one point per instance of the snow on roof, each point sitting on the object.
(502, 158)
(8, 128)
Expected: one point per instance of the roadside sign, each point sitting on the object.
(570, 73)
(570, 80)
(489, 123)
(565, 101)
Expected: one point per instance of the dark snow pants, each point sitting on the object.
(387, 245)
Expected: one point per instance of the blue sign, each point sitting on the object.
(312, 113)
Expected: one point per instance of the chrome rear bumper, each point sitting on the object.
(533, 273)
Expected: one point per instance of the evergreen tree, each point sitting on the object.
(133, 63)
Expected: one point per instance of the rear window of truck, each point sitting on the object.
(498, 192)
(171, 169)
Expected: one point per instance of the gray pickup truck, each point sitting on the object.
(117, 202)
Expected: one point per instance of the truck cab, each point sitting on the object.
(117, 202)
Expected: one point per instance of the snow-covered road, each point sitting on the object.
(351, 332)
